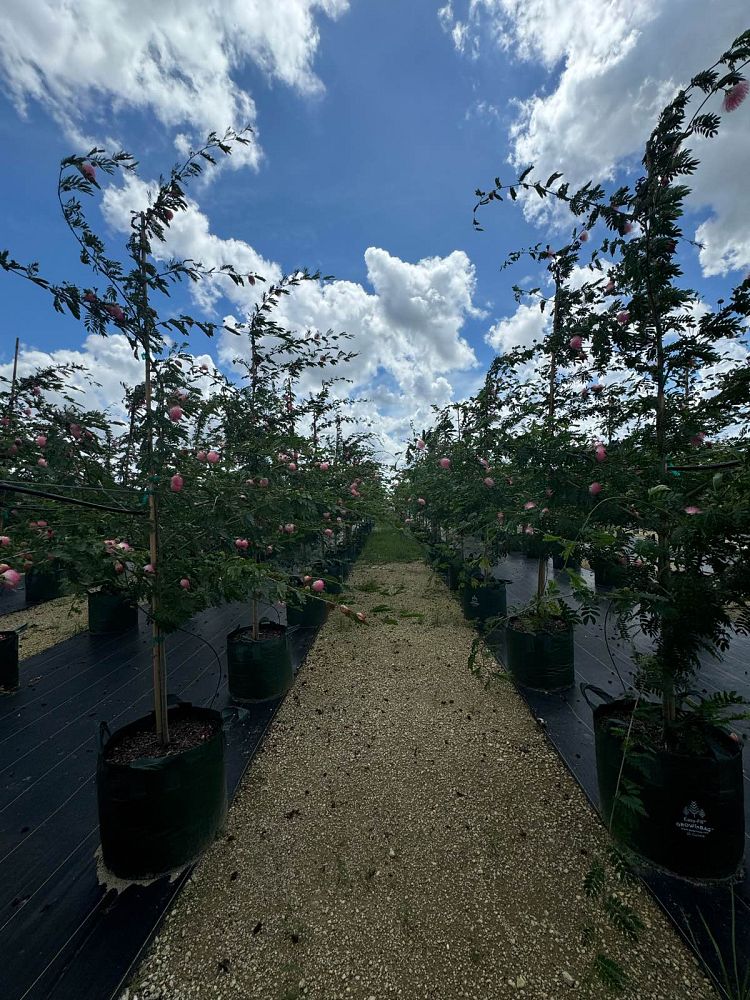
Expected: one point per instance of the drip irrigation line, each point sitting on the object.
(43, 494)
(147, 611)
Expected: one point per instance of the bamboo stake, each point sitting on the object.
(158, 658)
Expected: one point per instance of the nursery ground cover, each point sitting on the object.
(65, 934)
(568, 723)
(406, 832)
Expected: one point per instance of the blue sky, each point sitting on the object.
(399, 112)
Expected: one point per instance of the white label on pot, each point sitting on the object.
(693, 822)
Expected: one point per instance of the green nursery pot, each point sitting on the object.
(259, 669)
(8, 660)
(110, 613)
(43, 585)
(311, 614)
(692, 820)
(158, 814)
(483, 599)
(540, 660)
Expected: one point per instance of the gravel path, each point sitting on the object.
(47, 624)
(405, 832)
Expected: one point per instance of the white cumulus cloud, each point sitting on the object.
(611, 67)
(178, 60)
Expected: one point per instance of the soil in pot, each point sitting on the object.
(259, 669)
(158, 811)
(691, 815)
(110, 613)
(542, 659)
(8, 661)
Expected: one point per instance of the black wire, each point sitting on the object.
(145, 609)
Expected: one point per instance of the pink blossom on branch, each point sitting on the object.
(735, 95)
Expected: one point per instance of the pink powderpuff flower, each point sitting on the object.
(595, 489)
(212, 457)
(609, 287)
(693, 510)
(269, 549)
(42, 463)
(500, 516)
(89, 171)
(597, 387)
(698, 439)
(11, 579)
(444, 463)
(600, 453)
(41, 441)
(89, 297)
(421, 501)
(292, 467)
(528, 530)
(623, 317)
(328, 532)
(489, 482)
(124, 547)
(115, 312)
(318, 586)
(529, 505)
(4, 540)
(5, 421)
(484, 463)
(75, 430)
(584, 394)
(201, 456)
(176, 483)
(361, 616)
(185, 583)
(241, 543)
(263, 482)
(36, 390)
(627, 228)
(290, 529)
(119, 567)
(548, 492)
(327, 516)
(583, 236)
(149, 568)
(339, 521)
(324, 466)
(735, 95)
(175, 414)
(420, 444)
(575, 343)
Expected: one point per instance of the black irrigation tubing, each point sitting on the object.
(43, 494)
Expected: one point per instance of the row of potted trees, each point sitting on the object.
(199, 489)
(618, 438)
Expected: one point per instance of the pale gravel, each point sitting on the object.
(405, 832)
(47, 624)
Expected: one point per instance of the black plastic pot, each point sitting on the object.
(311, 614)
(42, 585)
(693, 820)
(485, 600)
(110, 613)
(608, 574)
(453, 568)
(158, 814)
(8, 660)
(540, 660)
(534, 546)
(259, 669)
